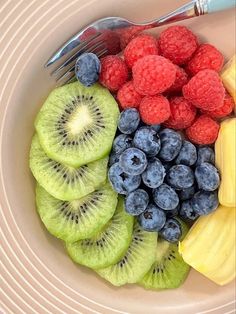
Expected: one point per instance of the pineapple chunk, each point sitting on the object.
(225, 155)
(210, 246)
(228, 76)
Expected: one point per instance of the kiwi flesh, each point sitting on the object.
(76, 124)
(62, 181)
(77, 219)
(169, 269)
(136, 261)
(108, 245)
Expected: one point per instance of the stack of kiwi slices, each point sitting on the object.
(75, 129)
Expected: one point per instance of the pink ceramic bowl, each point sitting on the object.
(37, 275)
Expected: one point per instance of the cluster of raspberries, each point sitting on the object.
(172, 80)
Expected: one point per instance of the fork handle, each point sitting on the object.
(193, 9)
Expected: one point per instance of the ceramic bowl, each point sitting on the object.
(37, 275)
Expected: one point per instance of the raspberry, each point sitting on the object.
(154, 109)
(114, 72)
(128, 97)
(140, 46)
(203, 131)
(126, 34)
(182, 113)
(153, 75)
(206, 57)
(180, 80)
(178, 44)
(205, 90)
(223, 111)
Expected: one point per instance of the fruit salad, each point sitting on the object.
(135, 161)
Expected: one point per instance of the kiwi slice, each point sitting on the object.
(65, 182)
(78, 219)
(136, 261)
(108, 245)
(76, 124)
(169, 270)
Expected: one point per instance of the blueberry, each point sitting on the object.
(204, 202)
(152, 219)
(187, 212)
(121, 143)
(205, 154)
(171, 231)
(136, 202)
(156, 127)
(147, 140)
(87, 68)
(180, 177)
(171, 143)
(207, 177)
(154, 174)
(121, 182)
(165, 197)
(187, 155)
(172, 212)
(113, 158)
(133, 161)
(128, 121)
(188, 193)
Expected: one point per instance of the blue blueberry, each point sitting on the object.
(172, 212)
(180, 177)
(187, 155)
(154, 174)
(87, 68)
(133, 161)
(113, 158)
(136, 202)
(129, 121)
(187, 212)
(147, 140)
(188, 193)
(171, 143)
(152, 219)
(156, 127)
(121, 143)
(205, 154)
(204, 202)
(207, 177)
(165, 197)
(171, 231)
(121, 182)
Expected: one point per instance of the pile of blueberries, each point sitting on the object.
(162, 175)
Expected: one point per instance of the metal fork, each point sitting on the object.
(102, 36)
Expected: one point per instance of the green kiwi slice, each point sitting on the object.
(169, 270)
(62, 181)
(108, 245)
(78, 219)
(136, 261)
(76, 124)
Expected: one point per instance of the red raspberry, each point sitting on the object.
(206, 57)
(182, 113)
(154, 109)
(114, 72)
(126, 34)
(153, 75)
(225, 110)
(205, 90)
(140, 46)
(178, 44)
(128, 97)
(203, 131)
(180, 80)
